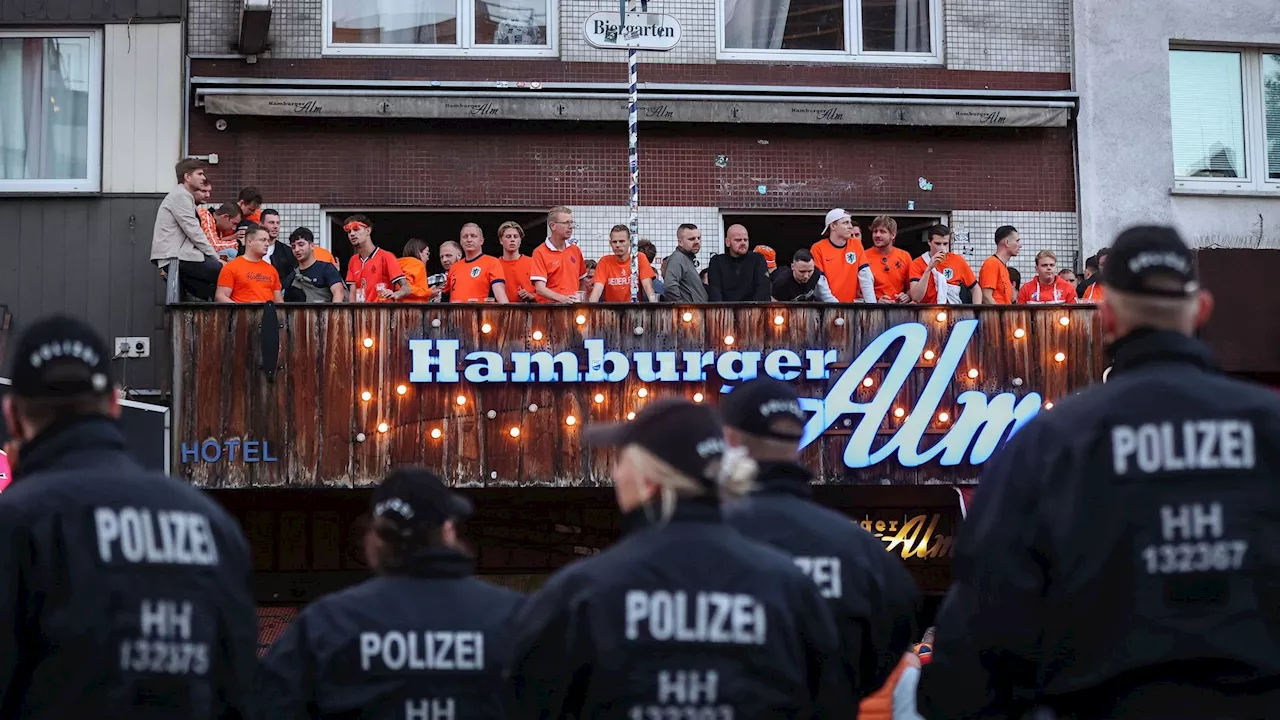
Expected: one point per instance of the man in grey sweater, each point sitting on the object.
(178, 233)
(680, 280)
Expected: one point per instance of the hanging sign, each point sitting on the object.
(642, 31)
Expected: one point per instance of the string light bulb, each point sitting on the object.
(366, 396)
(973, 373)
(515, 432)
(1059, 357)
(368, 342)
(687, 317)
(383, 427)
(697, 397)
(537, 335)
(778, 320)
(1048, 406)
(929, 355)
(462, 399)
(599, 398)
(642, 392)
(868, 382)
(631, 416)
(486, 328)
(941, 316)
(435, 433)
(492, 414)
(570, 420)
(1019, 334)
(944, 417)
(581, 320)
(1064, 321)
(899, 412)
(728, 339)
(401, 389)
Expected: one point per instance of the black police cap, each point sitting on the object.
(766, 408)
(686, 436)
(1151, 260)
(413, 497)
(59, 357)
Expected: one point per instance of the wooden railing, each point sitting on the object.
(329, 395)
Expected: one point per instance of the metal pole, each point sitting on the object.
(633, 138)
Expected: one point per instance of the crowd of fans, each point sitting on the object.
(233, 253)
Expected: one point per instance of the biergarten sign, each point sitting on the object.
(642, 31)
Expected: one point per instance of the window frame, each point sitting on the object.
(93, 147)
(1255, 128)
(466, 29)
(853, 32)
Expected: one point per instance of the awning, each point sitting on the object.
(674, 108)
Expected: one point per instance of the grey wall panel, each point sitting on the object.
(89, 12)
(87, 257)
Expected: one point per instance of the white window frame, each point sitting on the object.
(1255, 131)
(92, 183)
(853, 36)
(465, 48)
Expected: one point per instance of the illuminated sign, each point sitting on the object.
(981, 426)
(231, 450)
(912, 538)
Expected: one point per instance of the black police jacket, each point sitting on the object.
(872, 596)
(1122, 555)
(123, 593)
(427, 642)
(686, 618)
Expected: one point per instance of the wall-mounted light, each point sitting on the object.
(486, 328)
(687, 317)
(533, 408)
(1048, 406)
(581, 319)
(1059, 357)
(973, 373)
(1064, 321)
(868, 382)
(462, 399)
(697, 397)
(570, 420)
(728, 339)
(383, 427)
(435, 433)
(929, 355)
(899, 413)
(368, 342)
(492, 414)
(944, 417)
(631, 416)
(941, 316)
(537, 335)
(642, 392)
(402, 389)
(599, 398)
(1019, 333)
(839, 322)
(515, 432)
(779, 320)
(366, 396)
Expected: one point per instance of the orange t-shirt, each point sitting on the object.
(953, 267)
(1060, 292)
(473, 280)
(840, 265)
(325, 256)
(891, 270)
(255, 216)
(561, 270)
(380, 269)
(517, 274)
(1093, 293)
(251, 281)
(415, 273)
(615, 276)
(995, 277)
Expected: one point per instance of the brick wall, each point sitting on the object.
(351, 163)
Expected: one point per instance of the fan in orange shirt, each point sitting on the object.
(840, 257)
(941, 268)
(250, 278)
(516, 267)
(558, 265)
(997, 288)
(250, 202)
(1093, 294)
(890, 266)
(476, 275)
(413, 262)
(613, 273)
(1046, 288)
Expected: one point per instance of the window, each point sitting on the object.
(1225, 111)
(50, 111)
(903, 31)
(441, 27)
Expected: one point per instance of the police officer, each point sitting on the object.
(1120, 557)
(424, 640)
(872, 596)
(684, 617)
(123, 593)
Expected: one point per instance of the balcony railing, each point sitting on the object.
(336, 395)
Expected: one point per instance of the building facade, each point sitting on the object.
(1180, 119)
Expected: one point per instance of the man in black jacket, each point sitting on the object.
(738, 275)
(279, 254)
(423, 639)
(802, 282)
(1120, 557)
(123, 593)
(872, 596)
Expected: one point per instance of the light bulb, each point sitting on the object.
(868, 382)
(687, 317)
(435, 433)
(728, 339)
(1048, 406)
(642, 392)
(928, 355)
(383, 427)
(943, 417)
(941, 316)
(533, 408)
(581, 319)
(462, 399)
(899, 412)
(537, 334)
(1064, 321)
(486, 328)
(368, 342)
(570, 420)
(401, 389)
(631, 416)
(697, 397)
(839, 322)
(778, 320)
(515, 432)
(973, 373)
(599, 398)
(491, 414)
(366, 396)
(1019, 333)
(1059, 357)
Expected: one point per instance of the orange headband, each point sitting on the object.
(354, 225)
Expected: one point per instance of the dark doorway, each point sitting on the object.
(391, 230)
(788, 233)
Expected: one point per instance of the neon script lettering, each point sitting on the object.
(980, 428)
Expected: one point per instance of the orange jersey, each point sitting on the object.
(561, 270)
(995, 277)
(891, 271)
(325, 256)
(1093, 293)
(255, 216)
(1060, 291)
(840, 265)
(251, 281)
(415, 273)
(517, 274)
(953, 268)
(615, 276)
(473, 280)
(380, 268)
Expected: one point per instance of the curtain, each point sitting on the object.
(44, 107)
(399, 22)
(755, 24)
(911, 29)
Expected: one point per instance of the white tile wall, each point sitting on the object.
(296, 215)
(1008, 35)
(697, 25)
(214, 27)
(975, 237)
(657, 224)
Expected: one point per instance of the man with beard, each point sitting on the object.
(802, 282)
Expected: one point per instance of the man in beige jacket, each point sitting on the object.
(178, 233)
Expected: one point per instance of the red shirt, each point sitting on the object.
(1059, 292)
(380, 269)
(559, 269)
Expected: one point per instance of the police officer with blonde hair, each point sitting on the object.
(684, 617)
(1120, 557)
